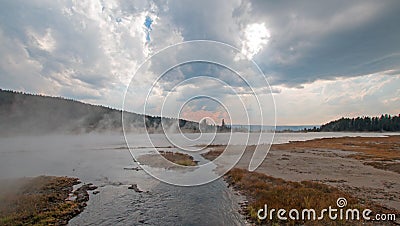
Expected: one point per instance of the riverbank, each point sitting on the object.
(42, 200)
(261, 189)
(165, 159)
(362, 169)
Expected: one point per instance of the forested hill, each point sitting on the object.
(368, 124)
(36, 114)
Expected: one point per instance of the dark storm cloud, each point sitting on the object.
(327, 39)
(310, 40)
(91, 49)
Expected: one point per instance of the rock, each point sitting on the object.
(90, 187)
(135, 188)
(82, 194)
(96, 192)
(132, 168)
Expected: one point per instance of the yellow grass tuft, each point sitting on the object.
(261, 189)
(37, 201)
(179, 158)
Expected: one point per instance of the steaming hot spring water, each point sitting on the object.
(101, 159)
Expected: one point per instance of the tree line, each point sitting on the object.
(24, 113)
(367, 124)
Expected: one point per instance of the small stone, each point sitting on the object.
(135, 188)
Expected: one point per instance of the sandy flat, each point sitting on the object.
(331, 166)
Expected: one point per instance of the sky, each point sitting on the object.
(322, 59)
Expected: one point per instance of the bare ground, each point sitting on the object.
(366, 168)
(42, 200)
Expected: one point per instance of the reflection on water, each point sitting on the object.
(211, 204)
(100, 159)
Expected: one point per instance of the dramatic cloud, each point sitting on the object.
(311, 52)
(255, 38)
(323, 101)
(323, 40)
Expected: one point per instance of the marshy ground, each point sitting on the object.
(179, 158)
(41, 200)
(297, 174)
(362, 169)
(164, 159)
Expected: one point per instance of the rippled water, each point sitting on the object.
(100, 159)
(211, 204)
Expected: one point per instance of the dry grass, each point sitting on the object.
(379, 152)
(179, 158)
(260, 189)
(367, 148)
(395, 167)
(277, 193)
(37, 201)
(213, 153)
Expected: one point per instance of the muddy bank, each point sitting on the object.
(167, 159)
(261, 189)
(42, 200)
(363, 167)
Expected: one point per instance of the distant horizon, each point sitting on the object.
(165, 111)
(306, 125)
(318, 66)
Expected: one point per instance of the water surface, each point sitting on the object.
(100, 159)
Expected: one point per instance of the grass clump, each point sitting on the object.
(38, 201)
(261, 189)
(179, 158)
(213, 153)
(367, 148)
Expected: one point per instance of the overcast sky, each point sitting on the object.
(323, 59)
